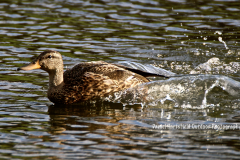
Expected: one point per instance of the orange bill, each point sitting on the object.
(31, 66)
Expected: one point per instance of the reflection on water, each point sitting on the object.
(184, 37)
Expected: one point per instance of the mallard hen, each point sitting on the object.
(86, 80)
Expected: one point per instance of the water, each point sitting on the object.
(194, 116)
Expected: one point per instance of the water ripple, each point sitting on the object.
(165, 37)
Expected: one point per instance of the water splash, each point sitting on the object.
(204, 102)
(221, 40)
(196, 92)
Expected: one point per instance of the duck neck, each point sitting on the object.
(55, 78)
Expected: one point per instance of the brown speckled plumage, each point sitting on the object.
(86, 80)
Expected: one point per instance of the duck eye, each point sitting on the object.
(49, 56)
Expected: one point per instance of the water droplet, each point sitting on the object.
(218, 32)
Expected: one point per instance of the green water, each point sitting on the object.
(184, 37)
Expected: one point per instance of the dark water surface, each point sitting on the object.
(194, 116)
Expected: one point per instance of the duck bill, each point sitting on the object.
(31, 66)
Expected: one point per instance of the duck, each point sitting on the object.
(86, 80)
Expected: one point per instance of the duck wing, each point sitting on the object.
(142, 73)
(118, 73)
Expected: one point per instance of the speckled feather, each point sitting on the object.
(94, 79)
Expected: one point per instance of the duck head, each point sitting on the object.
(49, 61)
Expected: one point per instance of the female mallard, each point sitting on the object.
(86, 80)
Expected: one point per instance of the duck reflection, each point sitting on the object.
(89, 108)
(83, 115)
